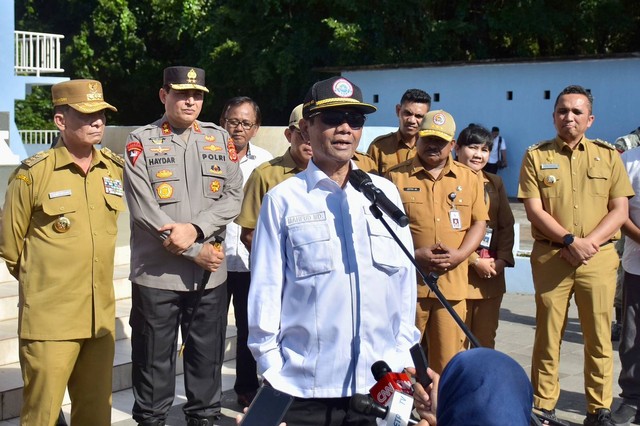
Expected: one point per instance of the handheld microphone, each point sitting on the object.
(362, 183)
(388, 382)
(398, 413)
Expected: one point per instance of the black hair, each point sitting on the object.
(417, 96)
(475, 135)
(576, 90)
(239, 100)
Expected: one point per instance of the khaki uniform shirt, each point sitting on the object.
(262, 179)
(65, 273)
(365, 162)
(168, 180)
(501, 222)
(389, 150)
(575, 186)
(426, 202)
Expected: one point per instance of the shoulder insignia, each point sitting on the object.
(24, 178)
(539, 145)
(35, 159)
(604, 143)
(113, 156)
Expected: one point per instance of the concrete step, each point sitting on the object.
(11, 380)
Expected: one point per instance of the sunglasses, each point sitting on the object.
(355, 120)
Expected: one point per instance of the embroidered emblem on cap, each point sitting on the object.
(192, 76)
(343, 88)
(439, 119)
(93, 94)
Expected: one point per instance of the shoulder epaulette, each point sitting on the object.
(538, 145)
(113, 156)
(35, 159)
(604, 143)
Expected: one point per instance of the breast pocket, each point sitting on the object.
(214, 175)
(164, 181)
(56, 214)
(115, 204)
(312, 249)
(385, 253)
(598, 181)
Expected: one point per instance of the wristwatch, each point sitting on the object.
(567, 240)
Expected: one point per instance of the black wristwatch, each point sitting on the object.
(567, 240)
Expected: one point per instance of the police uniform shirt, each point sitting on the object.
(575, 186)
(426, 202)
(59, 241)
(390, 150)
(168, 180)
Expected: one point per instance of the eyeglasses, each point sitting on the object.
(233, 122)
(355, 120)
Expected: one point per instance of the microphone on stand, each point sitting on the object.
(362, 182)
(397, 413)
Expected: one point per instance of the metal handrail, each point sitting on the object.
(43, 137)
(37, 53)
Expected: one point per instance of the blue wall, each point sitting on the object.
(478, 94)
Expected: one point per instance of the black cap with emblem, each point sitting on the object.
(184, 78)
(332, 93)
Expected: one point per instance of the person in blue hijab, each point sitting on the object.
(482, 386)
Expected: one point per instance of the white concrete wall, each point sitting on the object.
(478, 94)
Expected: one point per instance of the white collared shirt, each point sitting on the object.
(631, 255)
(236, 253)
(331, 292)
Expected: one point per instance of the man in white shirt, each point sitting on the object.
(498, 155)
(241, 118)
(331, 292)
(629, 350)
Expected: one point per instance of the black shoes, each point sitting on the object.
(548, 417)
(625, 413)
(202, 421)
(602, 417)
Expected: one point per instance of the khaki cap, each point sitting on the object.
(184, 78)
(296, 115)
(438, 123)
(84, 96)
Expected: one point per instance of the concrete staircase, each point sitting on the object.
(10, 378)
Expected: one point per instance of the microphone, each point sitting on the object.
(362, 183)
(388, 382)
(398, 413)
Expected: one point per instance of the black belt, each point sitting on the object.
(558, 245)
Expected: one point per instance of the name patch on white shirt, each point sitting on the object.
(305, 218)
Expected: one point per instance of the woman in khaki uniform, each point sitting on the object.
(487, 263)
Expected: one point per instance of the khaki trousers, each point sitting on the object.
(593, 285)
(441, 336)
(482, 319)
(83, 365)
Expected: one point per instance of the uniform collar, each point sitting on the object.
(63, 157)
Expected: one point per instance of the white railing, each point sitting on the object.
(42, 137)
(37, 53)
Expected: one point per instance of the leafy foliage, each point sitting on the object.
(272, 50)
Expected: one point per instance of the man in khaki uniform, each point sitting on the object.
(58, 240)
(575, 192)
(394, 148)
(447, 215)
(269, 174)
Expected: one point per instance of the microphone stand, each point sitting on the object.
(430, 280)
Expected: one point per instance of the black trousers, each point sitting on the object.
(325, 412)
(155, 318)
(629, 349)
(246, 374)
